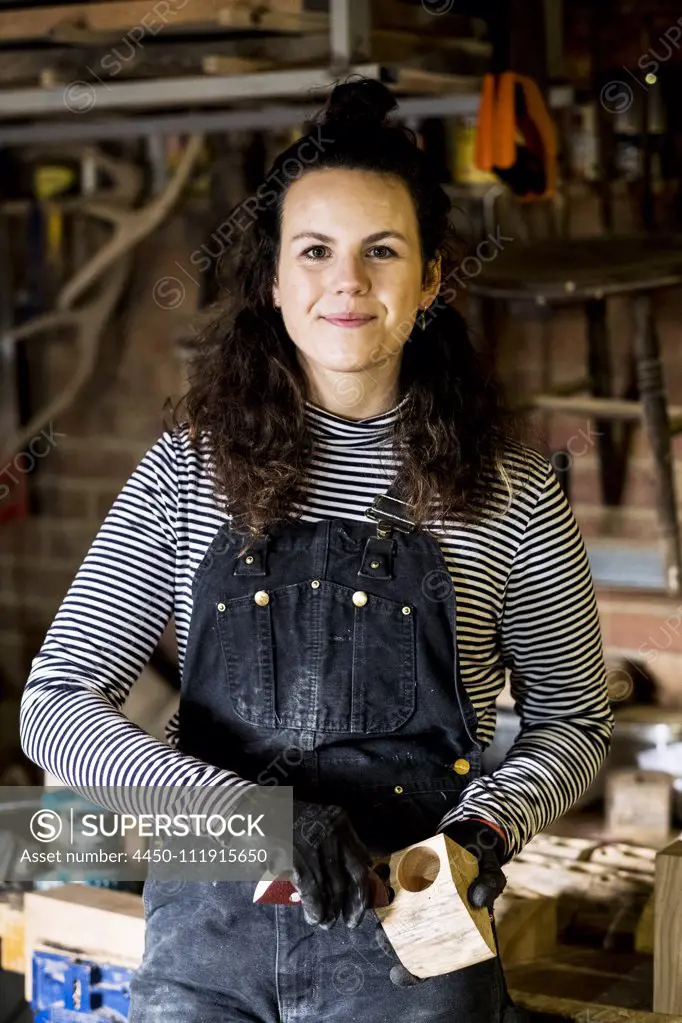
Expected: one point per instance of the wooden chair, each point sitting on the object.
(589, 271)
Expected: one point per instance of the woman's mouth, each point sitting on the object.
(348, 321)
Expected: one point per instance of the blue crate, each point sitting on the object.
(68, 989)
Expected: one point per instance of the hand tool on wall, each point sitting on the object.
(131, 226)
(516, 136)
(52, 179)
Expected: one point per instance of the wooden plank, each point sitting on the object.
(415, 17)
(176, 56)
(547, 1006)
(274, 20)
(562, 847)
(215, 65)
(668, 930)
(312, 47)
(638, 858)
(638, 804)
(82, 919)
(433, 83)
(121, 16)
(590, 881)
(607, 408)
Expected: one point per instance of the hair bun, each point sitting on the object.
(366, 100)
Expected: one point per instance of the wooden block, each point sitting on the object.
(644, 931)
(12, 934)
(638, 804)
(668, 930)
(430, 923)
(98, 922)
(526, 928)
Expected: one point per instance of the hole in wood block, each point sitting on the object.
(418, 869)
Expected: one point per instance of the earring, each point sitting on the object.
(423, 320)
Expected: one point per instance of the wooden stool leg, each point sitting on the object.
(599, 367)
(652, 391)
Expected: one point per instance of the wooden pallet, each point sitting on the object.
(589, 986)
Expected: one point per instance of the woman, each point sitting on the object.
(387, 546)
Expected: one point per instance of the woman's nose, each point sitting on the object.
(350, 274)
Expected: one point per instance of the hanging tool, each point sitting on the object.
(516, 136)
(110, 263)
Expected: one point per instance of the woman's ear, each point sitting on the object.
(275, 294)
(433, 280)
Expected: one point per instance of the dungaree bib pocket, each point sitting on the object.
(392, 817)
(321, 656)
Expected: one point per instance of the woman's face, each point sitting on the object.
(350, 247)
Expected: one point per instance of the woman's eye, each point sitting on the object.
(383, 248)
(315, 248)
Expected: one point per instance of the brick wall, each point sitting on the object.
(96, 445)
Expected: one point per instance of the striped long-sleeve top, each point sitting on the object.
(525, 601)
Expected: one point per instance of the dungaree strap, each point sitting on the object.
(390, 511)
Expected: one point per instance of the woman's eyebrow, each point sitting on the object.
(377, 236)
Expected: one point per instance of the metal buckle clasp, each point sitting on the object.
(380, 509)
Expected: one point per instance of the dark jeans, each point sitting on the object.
(212, 956)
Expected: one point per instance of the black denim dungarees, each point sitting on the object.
(336, 640)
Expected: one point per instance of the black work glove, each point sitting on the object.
(489, 848)
(331, 866)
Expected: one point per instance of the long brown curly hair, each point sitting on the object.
(247, 390)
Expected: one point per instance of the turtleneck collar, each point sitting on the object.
(335, 430)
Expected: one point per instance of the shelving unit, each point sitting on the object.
(286, 35)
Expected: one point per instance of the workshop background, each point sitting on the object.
(128, 131)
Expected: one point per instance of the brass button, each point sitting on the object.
(221, 607)
(262, 598)
(407, 610)
(315, 584)
(398, 789)
(360, 598)
(249, 560)
(375, 564)
(461, 766)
